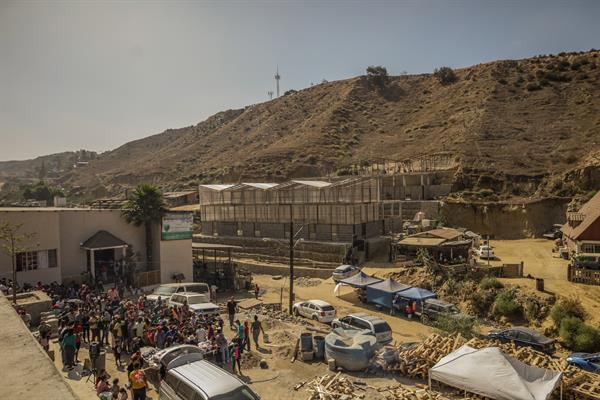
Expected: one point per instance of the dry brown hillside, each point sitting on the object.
(519, 128)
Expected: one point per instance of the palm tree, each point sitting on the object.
(145, 206)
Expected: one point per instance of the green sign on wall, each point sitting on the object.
(177, 226)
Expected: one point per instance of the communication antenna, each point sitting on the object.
(270, 93)
(277, 78)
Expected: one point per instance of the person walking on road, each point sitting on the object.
(231, 310)
(257, 328)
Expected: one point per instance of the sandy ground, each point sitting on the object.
(540, 262)
(278, 381)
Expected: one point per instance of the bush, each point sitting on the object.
(505, 304)
(578, 336)
(445, 75)
(464, 326)
(378, 76)
(532, 87)
(490, 282)
(566, 308)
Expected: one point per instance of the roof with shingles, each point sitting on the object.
(103, 240)
(588, 214)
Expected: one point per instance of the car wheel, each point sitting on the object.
(315, 318)
(425, 319)
(296, 313)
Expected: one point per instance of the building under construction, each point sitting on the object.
(336, 210)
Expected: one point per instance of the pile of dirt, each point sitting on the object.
(307, 282)
(282, 337)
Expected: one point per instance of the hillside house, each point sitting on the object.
(581, 233)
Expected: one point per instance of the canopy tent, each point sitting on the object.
(491, 373)
(413, 294)
(383, 292)
(360, 280)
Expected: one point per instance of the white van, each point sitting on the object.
(201, 380)
(166, 290)
(199, 303)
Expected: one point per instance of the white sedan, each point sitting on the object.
(317, 310)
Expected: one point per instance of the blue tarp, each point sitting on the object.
(414, 294)
(383, 293)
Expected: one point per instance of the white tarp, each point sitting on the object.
(489, 372)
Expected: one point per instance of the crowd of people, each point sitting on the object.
(125, 324)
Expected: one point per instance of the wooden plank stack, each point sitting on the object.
(417, 361)
(399, 392)
(333, 387)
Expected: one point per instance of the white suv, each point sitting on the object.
(317, 310)
(377, 326)
(344, 271)
(199, 303)
(166, 290)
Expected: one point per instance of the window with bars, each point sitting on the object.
(33, 260)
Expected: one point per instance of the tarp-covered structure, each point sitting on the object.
(491, 373)
(413, 294)
(360, 280)
(383, 293)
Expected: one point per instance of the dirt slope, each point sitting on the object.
(519, 128)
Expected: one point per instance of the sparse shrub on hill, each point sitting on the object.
(565, 308)
(533, 87)
(505, 305)
(578, 336)
(464, 326)
(378, 76)
(490, 282)
(445, 75)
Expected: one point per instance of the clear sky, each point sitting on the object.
(96, 74)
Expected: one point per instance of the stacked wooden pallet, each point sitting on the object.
(399, 392)
(417, 361)
(334, 387)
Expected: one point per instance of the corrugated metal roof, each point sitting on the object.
(444, 233)
(261, 185)
(418, 241)
(317, 184)
(217, 187)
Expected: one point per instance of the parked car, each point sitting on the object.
(434, 308)
(344, 271)
(554, 233)
(198, 303)
(586, 260)
(161, 359)
(485, 251)
(317, 310)
(524, 336)
(380, 328)
(166, 290)
(201, 380)
(586, 361)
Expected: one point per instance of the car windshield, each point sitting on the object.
(165, 290)
(197, 299)
(327, 308)
(197, 288)
(382, 327)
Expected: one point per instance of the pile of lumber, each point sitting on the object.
(334, 387)
(399, 392)
(416, 362)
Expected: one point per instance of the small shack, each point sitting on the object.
(383, 293)
(445, 245)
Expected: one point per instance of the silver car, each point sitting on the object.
(344, 271)
(379, 327)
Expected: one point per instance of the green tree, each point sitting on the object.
(378, 76)
(445, 75)
(145, 206)
(13, 243)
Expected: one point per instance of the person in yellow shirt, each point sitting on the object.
(138, 381)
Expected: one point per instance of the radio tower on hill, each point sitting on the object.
(277, 78)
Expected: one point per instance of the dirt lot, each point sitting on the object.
(540, 262)
(279, 379)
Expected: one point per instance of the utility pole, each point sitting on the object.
(291, 259)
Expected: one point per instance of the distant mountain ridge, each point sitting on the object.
(515, 129)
